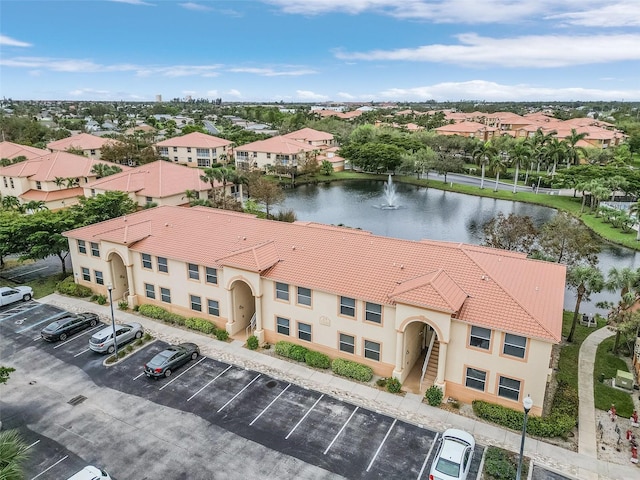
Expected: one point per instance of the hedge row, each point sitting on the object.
(555, 425)
(355, 370)
(303, 354)
(194, 323)
(69, 287)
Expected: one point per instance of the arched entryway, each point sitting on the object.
(119, 279)
(421, 355)
(242, 309)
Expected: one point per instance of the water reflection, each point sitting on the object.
(429, 213)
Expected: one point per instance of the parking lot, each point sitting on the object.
(243, 422)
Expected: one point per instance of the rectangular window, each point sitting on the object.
(268, 155)
(304, 296)
(475, 379)
(149, 200)
(150, 290)
(175, 159)
(212, 275)
(164, 151)
(6, 185)
(213, 307)
(146, 261)
(86, 276)
(194, 271)
(514, 345)
(204, 162)
(480, 337)
(162, 265)
(202, 152)
(372, 350)
(93, 192)
(373, 312)
(95, 249)
(175, 149)
(509, 388)
(188, 149)
(92, 152)
(82, 247)
(11, 182)
(282, 325)
(347, 343)
(39, 185)
(165, 295)
(348, 306)
(304, 331)
(196, 303)
(282, 291)
(99, 278)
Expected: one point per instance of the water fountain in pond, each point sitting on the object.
(390, 195)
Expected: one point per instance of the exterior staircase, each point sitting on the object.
(432, 369)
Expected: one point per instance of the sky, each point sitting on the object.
(321, 50)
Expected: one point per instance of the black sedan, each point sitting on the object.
(174, 356)
(68, 325)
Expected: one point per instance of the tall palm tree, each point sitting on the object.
(9, 202)
(555, 152)
(573, 152)
(13, 452)
(627, 281)
(34, 206)
(585, 280)
(520, 152)
(210, 176)
(497, 164)
(482, 155)
(60, 181)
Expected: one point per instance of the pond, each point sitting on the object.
(432, 214)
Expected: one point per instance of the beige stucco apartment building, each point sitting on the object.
(195, 149)
(90, 145)
(482, 320)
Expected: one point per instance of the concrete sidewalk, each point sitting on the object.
(581, 465)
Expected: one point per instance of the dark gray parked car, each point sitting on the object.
(68, 325)
(163, 364)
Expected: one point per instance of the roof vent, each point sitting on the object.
(293, 247)
(166, 224)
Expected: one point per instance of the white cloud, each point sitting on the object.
(234, 93)
(534, 51)
(619, 14)
(135, 2)
(346, 96)
(12, 42)
(195, 6)
(89, 92)
(269, 72)
(308, 95)
(492, 91)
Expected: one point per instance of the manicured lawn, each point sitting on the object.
(568, 361)
(609, 364)
(41, 286)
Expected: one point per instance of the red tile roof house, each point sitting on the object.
(12, 150)
(483, 321)
(469, 129)
(90, 145)
(278, 150)
(35, 179)
(313, 137)
(159, 182)
(195, 149)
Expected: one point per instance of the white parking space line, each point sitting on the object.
(380, 447)
(424, 464)
(80, 353)
(209, 383)
(272, 402)
(48, 319)
(78, 336)
(343, 427)
(138, 376)
(18, 313)
(236, 395)
(29, 272)
(305, 416)
(178, 376)
(45, 471)
(34, 443)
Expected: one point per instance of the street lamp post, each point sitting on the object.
(113, 321)
(527, 404)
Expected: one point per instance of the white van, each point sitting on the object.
(90, 473)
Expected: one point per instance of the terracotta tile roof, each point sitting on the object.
(41, 195)
(277, 145)
(82, 141)
(156, 179)
(501, 289)
(13, 150)
(466, 127)
(195, 140)
(309, 135)
(57, 164)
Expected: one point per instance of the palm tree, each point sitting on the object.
(13, 452)
(60, 181)
(481, 155)
(72, 182)
(627, 281)
(210, 177)
(585, 280)
(555, 151)
(10, 202)
(34, 206)
(497, 164)
(573, 152)
(519, 153)
(191, 195)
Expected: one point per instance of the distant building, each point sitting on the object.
(91, 145)
(159, 98)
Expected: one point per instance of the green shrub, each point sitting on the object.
(111, 359)
(101, 299)
(283, 348)
(159, 313)
(129, 348)
(317, 360)
(350, 369)
(123, 305)
(394, 385)
(147, 337)
(138, 342)
(69, 287)
(200, 324)
(136, 308)
(434, 395)
(381, 382)
(499, 465)
(222, 334)
(121, 353)
(298, 353)
(555, 425)
(253, 343)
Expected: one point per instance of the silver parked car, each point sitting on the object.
(102, 341)
(453, 459)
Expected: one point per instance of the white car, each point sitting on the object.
(14, 294)
(90, 473)
(453, 458)
(102, 341)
